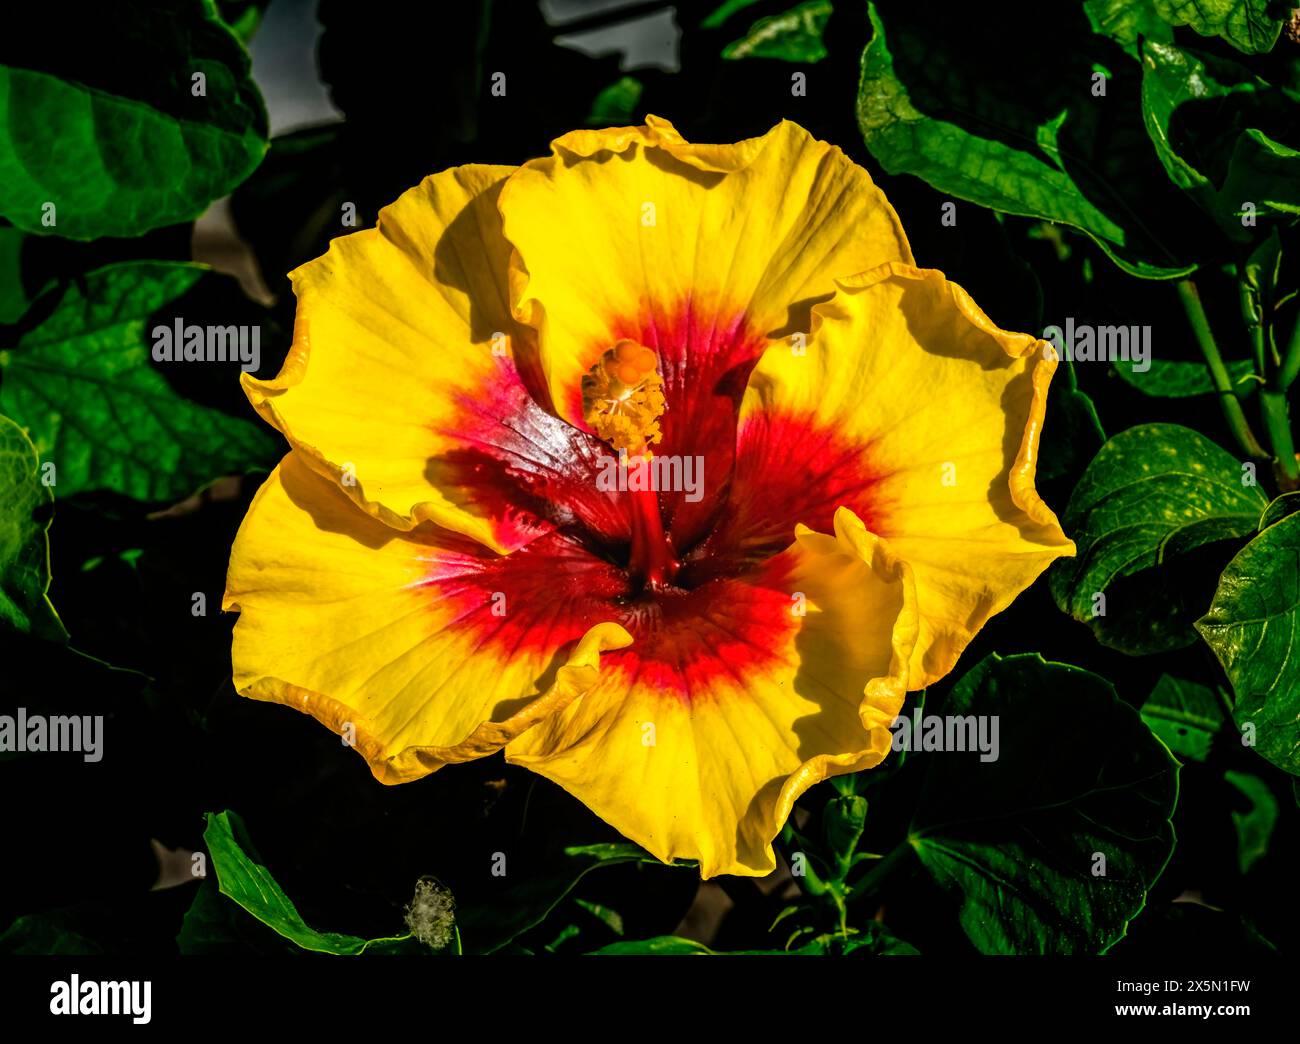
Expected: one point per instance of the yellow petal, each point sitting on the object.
(702, 757)
(939, 412)
(697, 251)
(386, 636)
(406, 381)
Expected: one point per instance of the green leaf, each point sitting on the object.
(873, 940)
(1254, 826)
(488, 926)
(792, 36)
(611, 919)
(1185, 715)
(1263, 172)
(1286, 504)
(1253, 627)
(1125, 21)
(103, 123)
(1016, 841)
(616, 105)
(877, 941)
(662, 945)
(24, 549)
(242, 877)
(1204, 115)
(1016, 162)
(719, 16)
(1152, 517)
(1246, 24)
(1176, 379)
(47, 935)
(1170, 78)
(1191, 930)
(83, 384)
(213, 925)
(243, 16)
(674, 945)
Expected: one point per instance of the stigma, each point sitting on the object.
(622, 397)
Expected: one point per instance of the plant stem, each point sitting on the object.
(1291, 361)
(1232, 411)
(1277, 421)
(880, 871)
(1254, 321)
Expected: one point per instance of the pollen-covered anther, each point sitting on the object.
(622, 397)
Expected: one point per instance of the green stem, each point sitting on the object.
(1232, 411)
(880, 871)
(1253, 319)
(1291, 361)
(1277, 414)
(1277, 422)
(843, 910)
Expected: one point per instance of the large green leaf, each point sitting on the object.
(1019, 842)
(1127, 21)
(1246, 24)
(1003, 149)
(488, 926)
(662, 945)
(1153, 517)
(1178, 379)
(101, 118)
(1264, 172)
(1253, 626)
(873, 940)
(214, 925)
(24, 549)
(84, 385)
(1278, 509)
(1207, 118)
(792, 36)
(53, 934)
(242, 877)
(1185, 715)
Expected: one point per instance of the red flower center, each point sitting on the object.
(694, 575)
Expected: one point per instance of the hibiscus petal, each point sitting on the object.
(917, 412)
(703, 758)
(700, 252)
(392, 386)
(376, 633)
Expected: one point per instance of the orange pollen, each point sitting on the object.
(622, 397)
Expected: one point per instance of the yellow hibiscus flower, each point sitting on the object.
(449, 561)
